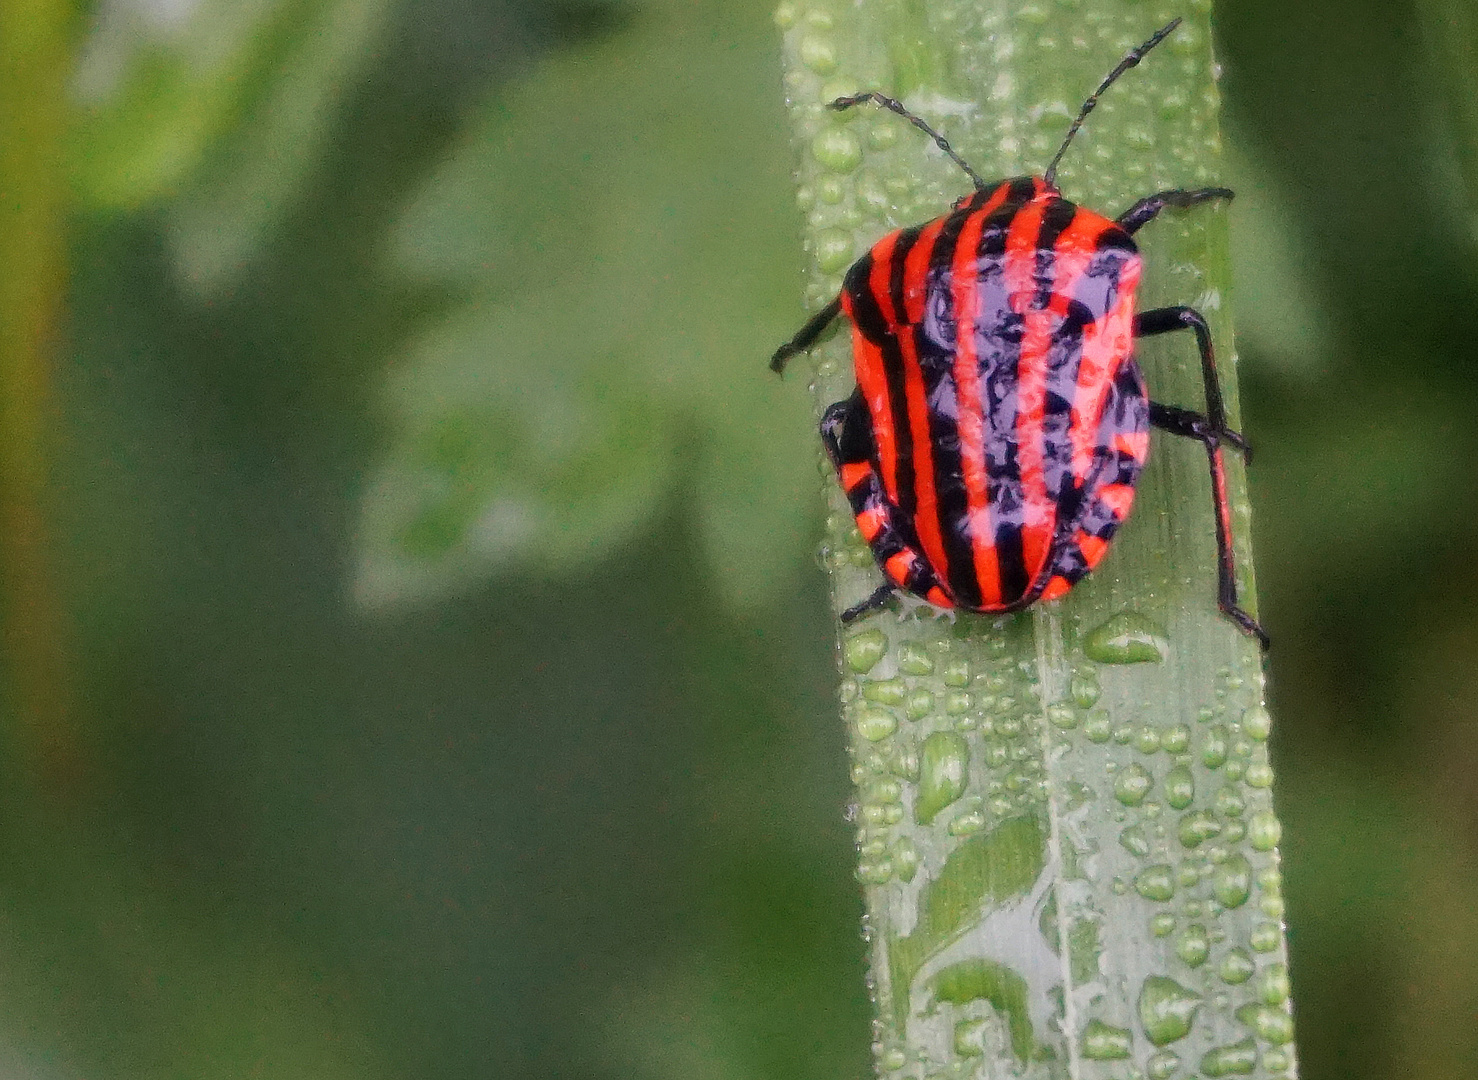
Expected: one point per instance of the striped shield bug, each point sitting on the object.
(1000, 420)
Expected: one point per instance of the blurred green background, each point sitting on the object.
(446, 682)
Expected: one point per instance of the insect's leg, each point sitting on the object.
(1195, 426)
(1211, 431)
(846, 431)
(1166, 320)
(806, 336)
(1145, 211)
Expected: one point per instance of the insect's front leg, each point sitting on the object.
(806, 336)
(846, 431)
(1148, 208)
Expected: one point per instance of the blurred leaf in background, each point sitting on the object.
(456, 698)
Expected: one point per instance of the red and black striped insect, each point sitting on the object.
(1000, 420)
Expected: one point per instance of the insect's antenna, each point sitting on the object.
(897, 106)
(1133, 57)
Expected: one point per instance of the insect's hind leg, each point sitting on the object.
(806, 336)
(1211, 431)
(846, 431)
(1149, 207)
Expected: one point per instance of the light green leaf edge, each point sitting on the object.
(1148, 782)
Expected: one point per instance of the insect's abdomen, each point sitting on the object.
(987, 345)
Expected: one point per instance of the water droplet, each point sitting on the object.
(1214, 746)
(1273, 985)
(1229, 802)
(1135, 841)
(893, 1059)
(905, 859)
(958, 703)
(1194, 945)
(1277, 1061)
(1084, 691)
(1271, 906)
(833, 250)
(1256, 723)
(1062, 716)
(874, 872)
(837, 149)
(1166, 1009)
(1177, 739)
(1236, 967)
(1239, 1058)
(1180, 787)
(942, 774)
(1156, 882)
(1259, 774)
(918, 704)
(862, 651)
(905, 762)
(829, 190)
(885, 691)
(882, 134)
(1271, 1024)
(1097, 727)
(971, 821)
(956, 673)
(1162, 924)
(970, 1037)
(1102, 1042)
(1264, 831)
(1147, 740)
(1126, 638)
(785, 16)
(1232, 882)
(820, 19)
(1199, 826)
(1124, 735)
(875, 724)
(819, 54)
(1133, 785)
(1162, 1065)
(913, 659)
(1265, 937)
(1009, 726)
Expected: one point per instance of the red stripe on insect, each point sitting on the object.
(916, 272)
(898, 566)
(1118, 498)
(1092, 547)
(879, 281)
(1056, 588)
(1134, 443)
(1107, 342)
(971, 420)
(1039, 515)
(872, 380)
(926, 496)
(939, 598)
(853, 474)
(870, 522)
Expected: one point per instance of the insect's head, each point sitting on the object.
(1133, 57)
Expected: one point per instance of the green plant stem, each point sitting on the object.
(35, 40)
(1064, 817)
